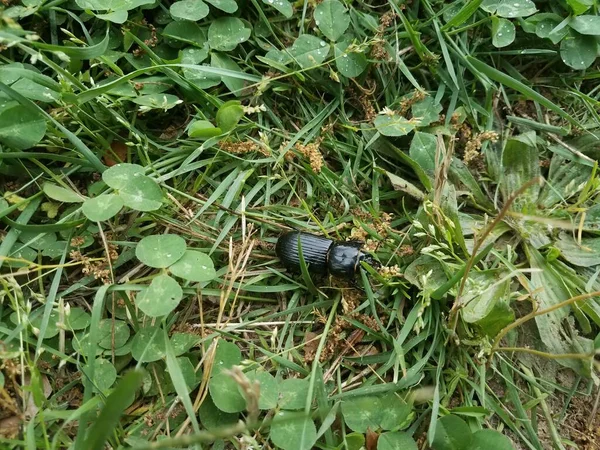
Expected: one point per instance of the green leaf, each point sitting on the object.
(203, 129)
(589, 25)
(189, 373)
(584, 254)
(490, 440)
(60, 194)
(37, 240)
(77, 319)
(112, 5)
(103, 207)
(396, 441)
(161, 297)
(192, 10)
(283, 6)
(400, 184)
(509, 8)
(229, 114)
(105, 375)
(183, 342)
(520, 163)
(227, 355)
(426, 111)
(393, 125)
(160, 250)
(156, 101)
(503, 32)
(565, 180)
(35, 91)
(309, 51)
(294, 392)
(51, 328)
(148, 345)
(579, 51)
(119, 175)
(20, 127)
(226, 395)
(142, 194)
(229, 6)
(451, 433)
(396, 413)
(332, 18)
(212, 418)
(112, 334)
(486, 302)
(118, 17)
(190, 32)
(225, 33)
(292, 432)
(269, 388)
(362, 413)
(350, 64)
(553, 327)
(422, 150)
(116, 403)
(223, 61)
(580, 6)
(194, 266)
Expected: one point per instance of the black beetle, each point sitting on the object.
(322, 255)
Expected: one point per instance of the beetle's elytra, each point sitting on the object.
(322, 255)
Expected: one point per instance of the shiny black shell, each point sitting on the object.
(344, 258)
(315, 250)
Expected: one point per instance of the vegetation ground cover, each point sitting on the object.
(151, 153)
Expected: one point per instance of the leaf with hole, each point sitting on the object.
(21, 128)
(103, 207)
(350, 63)
(192, 10)
(332, 18)
(160, 250)
(579, 51)
(194, 266)
(142, 193)
(309, 51)
(503, 32)
(292, 431)
(283, 6)
(148, 345)
(61, 194)
(160, 298)
(225, 33)
(396, 440)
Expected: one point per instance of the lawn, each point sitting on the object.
(152, 153)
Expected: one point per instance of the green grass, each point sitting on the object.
(458, 139)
